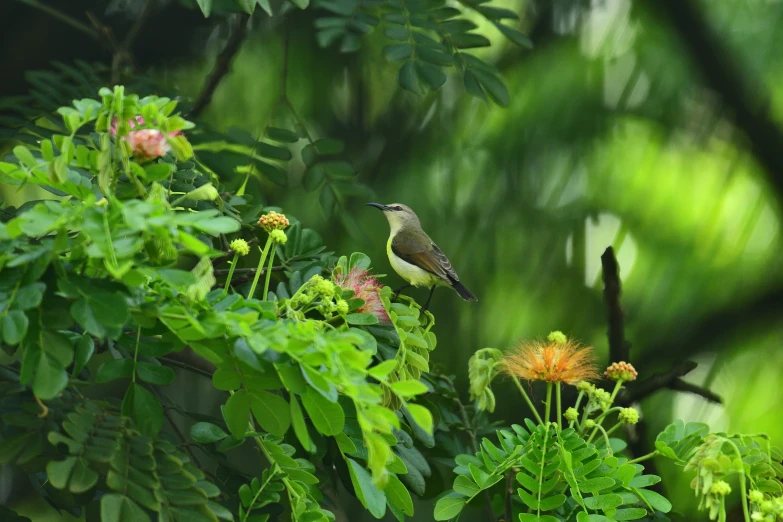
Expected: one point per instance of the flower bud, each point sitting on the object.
(240, 246)
(589, 423)
(325, 288)
(557, 337)
(342, 307)
(756, 496)
(278, 236)
(621, 371)
(720, 488)
(147, 143)
(205, 192)
(629, 416)
(571, 414)
(585, 386)
(273, 221)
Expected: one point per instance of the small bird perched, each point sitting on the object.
(415, 257)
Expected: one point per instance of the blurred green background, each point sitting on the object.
(612, 137)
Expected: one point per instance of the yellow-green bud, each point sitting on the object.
(589, 423)
(629, 416)
(767, 506)
(571, 414)
(325, 288)
(278, 236)
(557, 337)
(721, 488)
(585, 386)
(342, 307)
(205, 192)
(240, 246)
(602, 397)
(756, 496)
(621, 371)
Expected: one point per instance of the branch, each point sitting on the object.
(671, 380)
(187, 359)
(618, 346)
(222, 64)
(76, 24)
(742, 93)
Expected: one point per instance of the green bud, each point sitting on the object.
(629, 416)
(720, 488)
(756, 496)
(325, 288)
(342, 307)
(557, 337)
(278, 236)
(205, 192)
(585, 386)
(240, 246)
(571, 414)
(589, 423)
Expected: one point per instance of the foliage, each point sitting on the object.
(119, 268)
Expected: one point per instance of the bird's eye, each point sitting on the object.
(398, 208)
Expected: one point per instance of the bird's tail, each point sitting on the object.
(463, 292)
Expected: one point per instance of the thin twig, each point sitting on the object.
(222, 64)
(177, 431)
(667, 380)
(618, 347)
(73, 22)
(188, 360)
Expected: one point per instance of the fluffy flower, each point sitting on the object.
(365, 287)
(552, 361)
(621, 371)
(240, 246)
(273, 221)
(147, 143)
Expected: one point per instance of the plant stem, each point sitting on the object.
(576, 406)
(528, 401)
(643, 457)
(260, 267)
(610, 430)
(269, 270)
(231, 273)
(136, 354)
(743, 485)
(548, 403)
(616, 390)
(559, 408)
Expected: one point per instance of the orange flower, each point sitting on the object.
(552, 361)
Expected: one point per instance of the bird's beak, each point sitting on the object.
(378, 206)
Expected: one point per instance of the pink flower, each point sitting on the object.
(147, 143)
(138, 120)
(365, 287)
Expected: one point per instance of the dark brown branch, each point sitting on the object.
(741, 92)
(671, 380)
(618, 347)
(187, 359)
(222, 63)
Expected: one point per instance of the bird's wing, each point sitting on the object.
(419, 250)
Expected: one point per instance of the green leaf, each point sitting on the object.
(155, 373)
(29, 296)
(629, 514)
(466, 486)
(328, 417)
(515, 36)
(396, 52)
(407, 77)
(313, 178)
(237, 413)
(368, 494)
(117, 508)
(595, 485)
(271, 412)
(147, 411)
(282, 135)
(382, 370)
(301, 4)
(218, 225)
(656, 500)
(225, 380)
(422, 416)
(493, 85)
(408, 388)
(115, 369)
(449, 507)
(59, 471)
(604, 502)
(15, 325)
(397, 495)
(50, 377)
(206, 6)
(300, 426)
(361, 319)
(83, 478)
(431, 74)
(84, 350)
(206, 432)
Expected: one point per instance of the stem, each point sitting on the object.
(610, 430)
(260, 267)
(559, 408)
(269, 271)
(616, 390)
(231, 273)
(543, 447)
(528, 401)
(643, 457)
(576, 406)
(743, 485)
(548, 403)
(136, 354)
(76, 24)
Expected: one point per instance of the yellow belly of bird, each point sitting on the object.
(412, 273)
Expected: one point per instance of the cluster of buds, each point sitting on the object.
(557, 337)
(278, 236)
(571, 415)
(628, 416)
(621, 371)
(273, 221)
(765, 510)
(325, 291)
(240, 246)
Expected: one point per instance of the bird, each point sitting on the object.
(415, 257)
